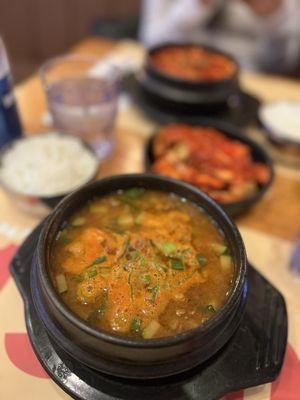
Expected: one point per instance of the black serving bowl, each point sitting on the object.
(179, 94)
(123, 356)
(257, 152)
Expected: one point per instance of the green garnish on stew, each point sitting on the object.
(99, 260)
(101, 310)
(91, 273)
(201, 259)
(210, 308)
(146, 279)
(155, 290)
(169, 247)
(206, 309)
(78, 278)
(134, 193)
(143, 262)
(136, 326)
(177, 264)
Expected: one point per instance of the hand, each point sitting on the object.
(263, 8)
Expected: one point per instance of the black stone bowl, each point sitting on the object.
(123, 356)
(257, 152)
(177, 94)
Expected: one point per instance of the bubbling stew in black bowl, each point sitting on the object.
(142, 264)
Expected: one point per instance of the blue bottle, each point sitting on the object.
(10, 126)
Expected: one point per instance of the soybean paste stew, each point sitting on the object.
(142, 263)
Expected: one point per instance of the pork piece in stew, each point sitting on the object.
(141, 263)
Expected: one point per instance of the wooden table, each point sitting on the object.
(268, 229)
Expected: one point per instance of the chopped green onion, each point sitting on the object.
(125, 249)
(100, 311)
(177, 264)
(99, 260)
(134, 193)
(206, 309)
(134, 255)
(210, 308)
(225, 261)
(96, 314)
(131, 287)
(79, 221)
(61, 283)
(91, 273)
(161, 266)
(136, 326)
(151, 329)
(130, 203)
(78, 278)
(219, 248)
(201, 259)
(131, 292)
(169, 247)
(146, 279)
(143, 262)
(155, 290)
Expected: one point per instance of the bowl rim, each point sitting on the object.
(92, 176)
(73, 58)
(177, 80)
(274, 134)
(72, 318)
(234, 133)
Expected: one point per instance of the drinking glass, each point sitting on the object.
(82, 96)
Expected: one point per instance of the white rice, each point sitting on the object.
(47, 165)
(282, 118)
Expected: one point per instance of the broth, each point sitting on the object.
(141, 263)
(193, 63)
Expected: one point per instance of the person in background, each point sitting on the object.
(261, 34)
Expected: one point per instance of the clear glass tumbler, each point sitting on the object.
(82, 98)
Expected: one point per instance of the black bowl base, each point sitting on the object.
(241, 110)
(253, 356)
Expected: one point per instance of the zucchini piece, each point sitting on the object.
(79, 221)
(151, 329)
(226, 261)
(98, 208)
(61, 283)
(219, 248)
